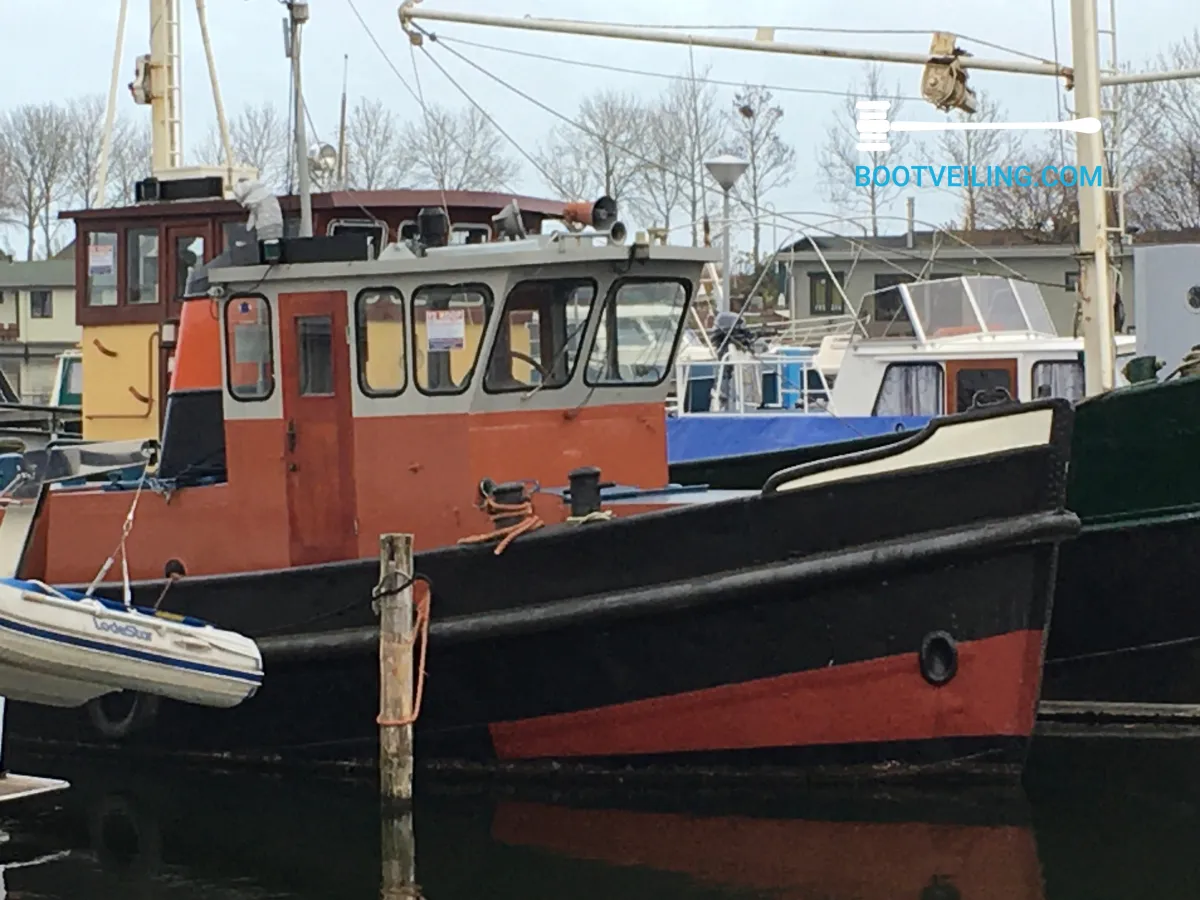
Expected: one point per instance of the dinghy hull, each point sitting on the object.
(881, 617)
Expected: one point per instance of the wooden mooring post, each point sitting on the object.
(397, 627)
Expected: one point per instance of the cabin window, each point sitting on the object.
(101, 268)
(142, 265)
(449, 321)
(314, 350)
(1058, 378)
(540, 334)
(249, 351)
(823, 296)
(189, 253)
(470, 234)
(638, 330)
(911, 389)
(999, 306)
(379, 314)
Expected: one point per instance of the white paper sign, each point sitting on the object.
(446, 329)
(100, 259)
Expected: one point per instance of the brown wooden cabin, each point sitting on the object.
(122, 281)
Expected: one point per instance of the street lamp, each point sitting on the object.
(726, 170)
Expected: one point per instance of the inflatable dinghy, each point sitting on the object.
(62, 648)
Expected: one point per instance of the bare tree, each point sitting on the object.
(458, 151)
(129, 159)
(37, 147)
(85, 121)
(663, 183)
(601, 155)
(756, 139)
(259, 137)
(840, 154)
(376, 155)
(1042, 212)
(975, 148)
(693, 112)
(1162, 179)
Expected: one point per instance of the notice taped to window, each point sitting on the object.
(445, 329)
(100, 259)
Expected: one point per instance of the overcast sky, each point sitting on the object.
(55, 49)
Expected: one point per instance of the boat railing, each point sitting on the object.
(812, 331)
(739, 384)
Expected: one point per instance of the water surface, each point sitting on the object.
(1097, 820)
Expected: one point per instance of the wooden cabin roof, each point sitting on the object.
(335, 200)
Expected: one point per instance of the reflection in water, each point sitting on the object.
(1113, 820)
(138, 835)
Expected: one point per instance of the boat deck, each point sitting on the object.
(17, 787)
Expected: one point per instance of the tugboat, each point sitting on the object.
(881, 614)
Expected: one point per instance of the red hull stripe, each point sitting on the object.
(993, 694)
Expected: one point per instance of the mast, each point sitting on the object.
(1099, 354)
(1098, 351)
(156, 84)
(297, 16)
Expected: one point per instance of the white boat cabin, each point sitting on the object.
(949, 339)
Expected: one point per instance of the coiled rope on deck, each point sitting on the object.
(530, 521)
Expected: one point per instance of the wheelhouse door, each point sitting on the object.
(968, 377)
(317, 414)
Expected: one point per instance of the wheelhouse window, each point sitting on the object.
(314, 350)
(249, 354)
(189, 253)
(379, 314)
(635, 339)
(824, 299)
(470, 234)
(540, 333)
(142, 265)
(911, 389)
(449, 321)
(1058, 378)
(101, 269)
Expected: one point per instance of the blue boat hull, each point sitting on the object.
(712, 435)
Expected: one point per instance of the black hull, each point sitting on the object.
(780, 632)
(1127, 617)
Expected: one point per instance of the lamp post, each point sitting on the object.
(726, 170)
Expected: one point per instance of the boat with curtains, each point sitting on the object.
(878, 614)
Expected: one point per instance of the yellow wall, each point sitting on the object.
(385, 355)
(110, 411)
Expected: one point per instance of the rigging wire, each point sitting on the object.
(642, 72)
(1058, 88)
(550, 179)
(758, 210)
(391, 65)
(428, 128)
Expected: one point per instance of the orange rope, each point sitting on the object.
(531, 522)
(421, 630)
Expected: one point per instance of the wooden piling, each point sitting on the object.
(399, 857)
(396, 644)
